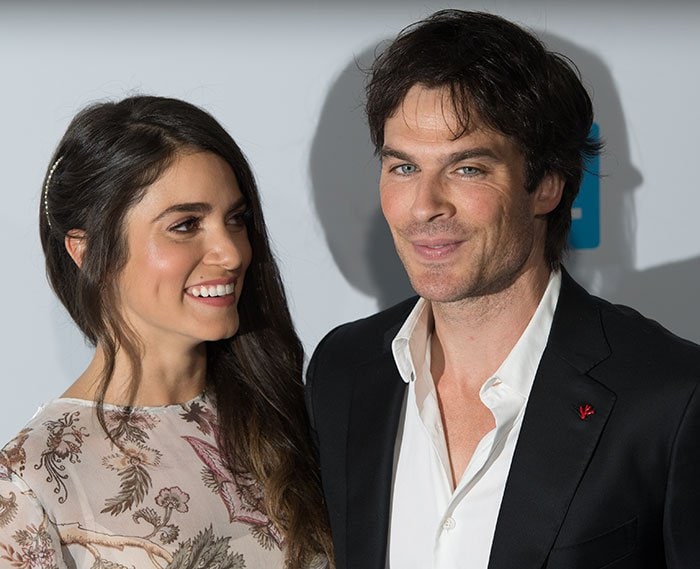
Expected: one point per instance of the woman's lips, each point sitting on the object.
(216, 292)
(212, 290)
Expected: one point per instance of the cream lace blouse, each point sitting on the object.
(162, 498)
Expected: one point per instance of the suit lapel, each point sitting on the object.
(555, 443)
(374, 418)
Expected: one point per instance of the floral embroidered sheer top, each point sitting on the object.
(160, 498)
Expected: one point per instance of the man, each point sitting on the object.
(506, 418)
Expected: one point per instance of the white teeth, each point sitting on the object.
(214, 290)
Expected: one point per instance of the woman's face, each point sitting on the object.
(188, 253)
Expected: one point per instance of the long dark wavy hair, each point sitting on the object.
(501, 75)
(107, 158)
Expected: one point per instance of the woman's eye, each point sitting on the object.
(240, 218)
(405, 169)
(186, 226)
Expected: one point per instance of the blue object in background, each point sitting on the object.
(585, 211)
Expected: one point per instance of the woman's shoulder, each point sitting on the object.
(52, 424)
(159, 486)
(66, 460)
(66, 436)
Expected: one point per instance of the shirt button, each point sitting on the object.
(449, 524)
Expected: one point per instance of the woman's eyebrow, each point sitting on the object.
(193, 207)
(202, 208)
(239, 203)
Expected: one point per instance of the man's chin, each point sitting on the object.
(437, 290)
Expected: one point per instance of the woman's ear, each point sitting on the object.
(75, 245)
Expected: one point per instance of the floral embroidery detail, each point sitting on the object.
(8, 509)
(174, 499)
(167, 533)
(128, 428)
(206, 550)
(132, 456)
(252, 501)
(104, 564)
(170, 499)
(130, 425)
(13, 457)
(65, 441)
(131, 463)
(241, 494)
(91, 540)
(36, 550)
(204, 417)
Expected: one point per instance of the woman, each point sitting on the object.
(184, 442)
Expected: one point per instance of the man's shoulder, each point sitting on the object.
(636, 352)
(354, 343)
(629, 330)
(621, 348)
(623, 327)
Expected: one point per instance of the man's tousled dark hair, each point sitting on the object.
(501, 77)
(110, 154)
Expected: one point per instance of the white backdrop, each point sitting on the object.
(283, 79)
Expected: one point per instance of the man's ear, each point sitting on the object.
(548, 193)
(75, 245)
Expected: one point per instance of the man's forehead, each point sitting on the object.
(428, 119)
(427, 108)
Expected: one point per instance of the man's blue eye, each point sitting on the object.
(405, 169)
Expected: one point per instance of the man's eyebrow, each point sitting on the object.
(479, 152)
(196, 207)
(389, 152)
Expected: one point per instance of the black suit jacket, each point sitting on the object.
(619, 489)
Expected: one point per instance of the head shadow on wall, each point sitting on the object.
(601, 269)
(345, 178)
(667, 292)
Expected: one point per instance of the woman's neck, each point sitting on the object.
(165, 378)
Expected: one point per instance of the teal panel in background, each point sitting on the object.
(585, 212)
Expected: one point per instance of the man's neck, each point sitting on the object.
(473, 337)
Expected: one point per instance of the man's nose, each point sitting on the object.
(431, 198)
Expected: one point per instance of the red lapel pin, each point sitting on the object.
(585, 411)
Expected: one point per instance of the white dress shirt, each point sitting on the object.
(433, 524)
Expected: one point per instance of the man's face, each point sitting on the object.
(462, 221)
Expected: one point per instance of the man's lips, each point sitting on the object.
(433, 249)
